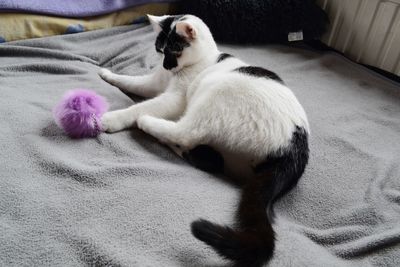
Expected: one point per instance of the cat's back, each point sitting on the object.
(233, 75)
(249, 88)
(214, 73)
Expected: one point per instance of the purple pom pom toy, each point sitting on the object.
(79, 113)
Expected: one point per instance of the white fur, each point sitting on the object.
(201, 102)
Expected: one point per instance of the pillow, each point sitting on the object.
(259, 21)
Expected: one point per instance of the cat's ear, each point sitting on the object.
(186, 30)
(155, 22)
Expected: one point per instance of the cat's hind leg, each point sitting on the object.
(185, 140)
(167, 132)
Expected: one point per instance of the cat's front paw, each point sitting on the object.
(112, 122)
(106, 75)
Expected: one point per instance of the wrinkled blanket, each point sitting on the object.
(125, 200)
(71, 8)
(17, 26)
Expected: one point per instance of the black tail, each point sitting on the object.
(253, 242)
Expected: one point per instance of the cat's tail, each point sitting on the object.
(252, 242)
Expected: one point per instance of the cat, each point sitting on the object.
(221, 115)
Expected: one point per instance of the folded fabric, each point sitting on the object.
(71, 8)
(23, 26)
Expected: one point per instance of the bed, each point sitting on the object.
(125, 200)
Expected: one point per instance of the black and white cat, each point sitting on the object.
(220, 114)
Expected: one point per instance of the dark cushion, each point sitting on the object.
(258, 21)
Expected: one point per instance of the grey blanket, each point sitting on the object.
(125, 200)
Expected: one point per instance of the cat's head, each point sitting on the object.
(183, 40)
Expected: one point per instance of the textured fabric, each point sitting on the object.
(17, 26)
(71, 8)
(255, 21)
(125, 200)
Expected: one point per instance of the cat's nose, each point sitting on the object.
(170, 64)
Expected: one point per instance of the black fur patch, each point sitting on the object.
(287, 165)
(170, 43)
(223, 56)
(175, 42)
(170, 60)
(259, 72)
(163, 35)
(205, 158)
